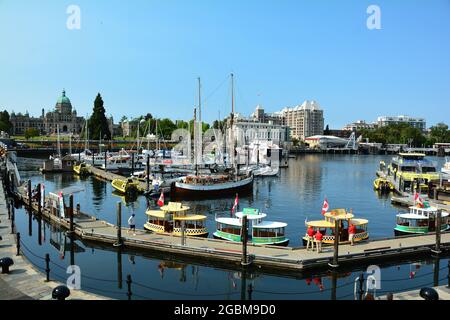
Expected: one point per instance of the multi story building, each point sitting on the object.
(304, 120)
(418, 123)
(359, 125)
(47, 123)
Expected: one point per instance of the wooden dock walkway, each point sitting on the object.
(110, 176)
(279, 259)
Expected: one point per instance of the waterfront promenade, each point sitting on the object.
(24, 282)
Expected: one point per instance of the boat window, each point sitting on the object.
(267, 233)
(428, 169)
(228, 228)
(408, 169)
(154, 220)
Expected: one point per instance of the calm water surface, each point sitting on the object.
(297, 194)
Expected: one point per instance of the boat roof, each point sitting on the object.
(251, 215)
(328, 224)
(174, 207)
(270, 225)
(339, 214)
(418, 216)
(190, 217)
(156, 213)
(405, 154)
(230, 221)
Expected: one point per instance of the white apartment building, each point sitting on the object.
(418, 123)
(304, 120)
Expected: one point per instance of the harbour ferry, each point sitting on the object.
(261, 232)
(125, 186)
(410, 170)
(169, 219)
(327, 227)
(420, 219)
(81, 169)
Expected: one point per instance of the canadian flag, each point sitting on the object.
(325, 206)
(418, 200)
(161, 199)
(236, 202)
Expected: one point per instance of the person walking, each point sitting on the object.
(318, 240)
(310, 235)
(132, 224)
(351, 234)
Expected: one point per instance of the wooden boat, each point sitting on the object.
(327, 226)
(261, 232)
(420, 219)
(170, 219)
(81, 169)
(212, 185)
(382, 184)
(125, 186)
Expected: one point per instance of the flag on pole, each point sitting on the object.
(325, 206)
(418, 200)
(161, 199)
(236, 202)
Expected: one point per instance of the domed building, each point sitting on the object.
(63, 115)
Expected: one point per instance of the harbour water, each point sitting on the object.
(295, 195)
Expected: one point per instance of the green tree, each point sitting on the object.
(5, 123)
(326, 132)
(440, 133)
(31, 133)
(98, 124)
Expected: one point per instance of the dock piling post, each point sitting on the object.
(18, 244)
(183, 233)
(71, 213)
(119, 225)
(437, 249)
(129, 281)
(361, 286)
(335, 263)
(39, 199)
(244, 231)
(448, 274)
(47, 267)
(12, 220)
(132, 163)
(148, 173)
(29, 193)
(9, 210)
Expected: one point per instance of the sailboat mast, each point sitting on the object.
(232, 148)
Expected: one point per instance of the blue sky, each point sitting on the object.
(145, 56)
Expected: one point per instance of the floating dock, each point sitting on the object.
(282, 260)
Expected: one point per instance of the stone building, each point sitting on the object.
(63, 115)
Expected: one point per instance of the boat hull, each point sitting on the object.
(284, 243)
(182, 190)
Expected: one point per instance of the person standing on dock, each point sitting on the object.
(351, 234)
(318, 240)
(310, 233)
(132, 224)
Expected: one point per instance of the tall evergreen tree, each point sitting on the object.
(5, 123)
(98, 124)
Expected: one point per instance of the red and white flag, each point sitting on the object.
(325, 206)
(161, 199)
(236, 202)
(417, 199)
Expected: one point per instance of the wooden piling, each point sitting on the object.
(71, 229)
(29, 193)
(119, 225)
(437, 249)
(39, 199)
(335, 262)
(244, 234)
(148, 173)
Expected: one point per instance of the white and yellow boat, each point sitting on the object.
(81, 169)
(327, 227)
(170, 218)
(125, 186)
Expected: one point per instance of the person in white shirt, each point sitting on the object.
(132, 223)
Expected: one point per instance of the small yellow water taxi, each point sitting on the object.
(81, 169)
(382, 184)
(327, 227)
(125, 186)
(171, 217)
